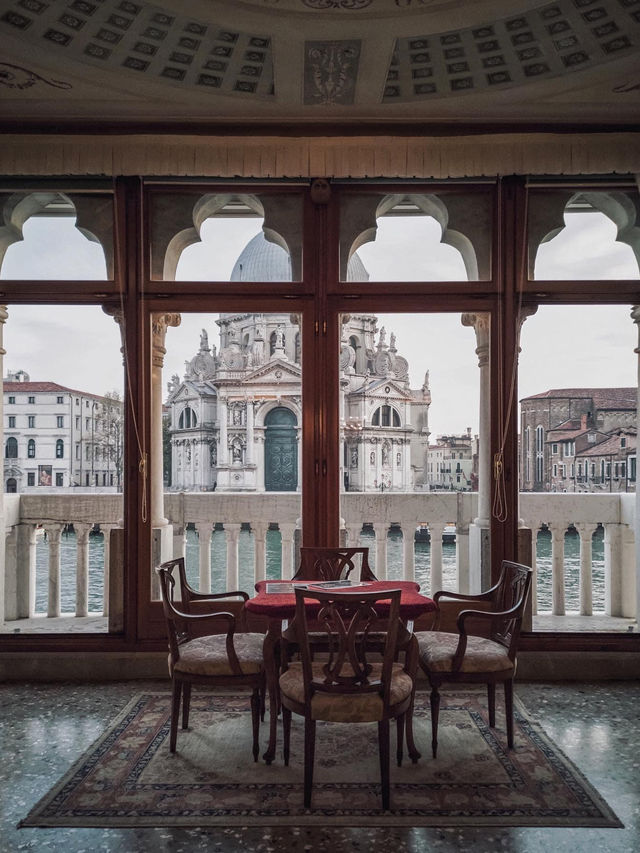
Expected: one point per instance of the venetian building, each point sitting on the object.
(236, 415)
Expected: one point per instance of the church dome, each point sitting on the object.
(261, 260)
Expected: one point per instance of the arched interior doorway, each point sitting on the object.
(280, 451)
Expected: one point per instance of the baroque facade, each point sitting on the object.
(235, 418)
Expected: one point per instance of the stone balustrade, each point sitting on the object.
(27, 514)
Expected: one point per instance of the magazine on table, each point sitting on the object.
(277, 587)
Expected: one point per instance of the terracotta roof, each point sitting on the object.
(35, 387)
(603, 398)
(611, 445)
(564, 434)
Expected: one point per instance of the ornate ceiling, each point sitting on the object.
(321, 60)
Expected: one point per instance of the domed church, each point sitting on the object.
(236, 416)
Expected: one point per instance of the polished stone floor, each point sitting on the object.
(45, 727)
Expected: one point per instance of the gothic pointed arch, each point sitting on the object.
(465, 221)
(94, 218)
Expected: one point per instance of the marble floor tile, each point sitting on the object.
(45, 727)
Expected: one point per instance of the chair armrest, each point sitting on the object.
(487, 615)
(461, 596)
(212, 596)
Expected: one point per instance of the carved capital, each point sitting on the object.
(159, 325)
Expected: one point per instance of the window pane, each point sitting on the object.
(64, 502)
(578, 428)
(232, 445)
(57, 236)
(590, 235)
(224, 237)
(417, 237)
(409, 442)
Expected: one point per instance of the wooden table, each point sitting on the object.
(279, 607)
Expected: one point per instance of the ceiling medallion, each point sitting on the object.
(337, 4)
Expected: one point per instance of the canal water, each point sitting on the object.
(246, 551)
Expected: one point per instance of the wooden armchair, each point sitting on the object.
(214, 660)
(330, 564)
(351, 686)
(461, 657)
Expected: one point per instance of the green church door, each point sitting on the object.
(280, 451)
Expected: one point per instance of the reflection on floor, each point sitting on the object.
(45, 727)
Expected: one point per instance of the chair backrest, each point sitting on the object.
(347, 620)
(509, 596)
(331, 564)
(177, 631)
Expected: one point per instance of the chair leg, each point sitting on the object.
(255, 720)
(263, 693)
(400, 738)
(286, 734)
(508, 710)
(186, 704)
(414, 753)
(435, 712)
(491, 701)
(176, 691)
(309, 756)
(383, 748)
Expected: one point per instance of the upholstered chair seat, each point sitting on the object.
(346, 707)
(209, 656)
(437, 651)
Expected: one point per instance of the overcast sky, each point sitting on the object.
(578, 346)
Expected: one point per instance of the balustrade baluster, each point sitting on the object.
(408, 550)
(557, 568)
(259, 529)
(82, 568)
(287, 533)
(54, 533)
(380, 529)
(204, 530)
(435, 532)
(586, 531)
(232, 531)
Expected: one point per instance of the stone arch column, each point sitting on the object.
(479, 529)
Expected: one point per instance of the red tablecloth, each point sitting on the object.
(283, 606)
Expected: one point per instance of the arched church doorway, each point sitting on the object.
(280, 451)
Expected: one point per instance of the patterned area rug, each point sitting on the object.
(129, 778)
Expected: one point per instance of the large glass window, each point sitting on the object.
(313, 369)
